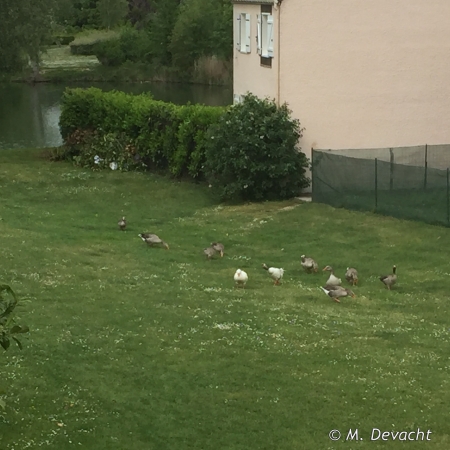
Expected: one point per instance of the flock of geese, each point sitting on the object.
(332, 287)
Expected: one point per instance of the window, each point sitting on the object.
(265, 36)
(243, 36)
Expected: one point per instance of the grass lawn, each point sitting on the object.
(61, 58)
(145, 348)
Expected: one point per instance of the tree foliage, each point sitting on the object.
(203, 28)
(112, 12)
(173, 33)
(24, 27)
(9, 330)
(252, 153)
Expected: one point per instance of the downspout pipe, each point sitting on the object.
(277, 4)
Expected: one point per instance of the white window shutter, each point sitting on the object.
(238, 32)
(248, 36)
(270, 36)
(258, 36)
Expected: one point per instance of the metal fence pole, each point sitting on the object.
(448, 197)
(312, 174)
(391, 179)
(426, 167)
(376, 183)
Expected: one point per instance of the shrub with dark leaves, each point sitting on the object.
(252, 153)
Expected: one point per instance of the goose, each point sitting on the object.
(209, 252)
(275, 273)
(309, 264)
(333, 280)
(218, 247)
(240, 278)
(153, 239)
(122, 224)
(336, 292)
(351, 276)
(390, 280)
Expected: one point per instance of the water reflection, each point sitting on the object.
(29, 115)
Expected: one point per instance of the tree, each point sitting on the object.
(25, 26)
(112, 12)
(139, 12)
(203, 28)
(160, 29)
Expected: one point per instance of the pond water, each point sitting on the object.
(29, 115)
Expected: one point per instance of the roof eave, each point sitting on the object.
(255, 2)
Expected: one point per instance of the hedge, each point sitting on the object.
(135, 131)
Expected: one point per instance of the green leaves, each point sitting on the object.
(7, 306)
(135, 132)
(252, 153)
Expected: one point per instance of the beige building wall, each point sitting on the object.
(248, 74)
(363, 73)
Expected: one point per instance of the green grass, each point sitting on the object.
(61, 58)
(92, 36)
(141, 348)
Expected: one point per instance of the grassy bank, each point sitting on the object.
(59, 65)
(144, 348)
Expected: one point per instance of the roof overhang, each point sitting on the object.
(256, 2)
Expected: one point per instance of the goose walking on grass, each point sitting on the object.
(390, 280)
(336, 292)
(240, 278)
(351, 276)
(209, 252)
(275, 273)
(152, 239)
(218, 247)
(333, 280)
(309, 264)
(122, 224)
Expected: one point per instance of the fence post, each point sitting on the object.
(448, 197)
(426, 167)
(312, 174)
(376, 183)
(391, 179)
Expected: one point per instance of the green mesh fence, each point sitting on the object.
(406, 182)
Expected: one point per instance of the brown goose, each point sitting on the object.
(152, 239)
(336, 292)
(209, 252)
(122, 224)
(218, 247)
(333, 280)
(351, 276)
(309, 264)
(390, 280)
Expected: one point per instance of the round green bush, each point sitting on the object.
(252, 153)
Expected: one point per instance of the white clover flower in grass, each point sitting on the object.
(113, 166)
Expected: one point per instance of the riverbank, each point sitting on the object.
(59, 65)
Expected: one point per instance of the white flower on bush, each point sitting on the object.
(113, 166)
(97, 159)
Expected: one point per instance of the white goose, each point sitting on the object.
(333, 280)
(275, 273)
(240, 278)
